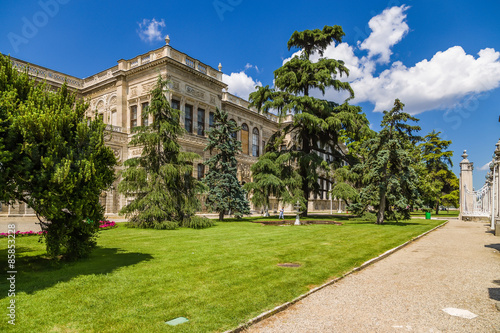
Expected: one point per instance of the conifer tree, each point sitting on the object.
(317, 124)
(274, 175)
(160, 181)
(440, 183)
(56, 161)
(225, 193)
(390, 180)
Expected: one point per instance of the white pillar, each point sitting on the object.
(466, 167)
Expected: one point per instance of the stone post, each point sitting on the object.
(466, 167)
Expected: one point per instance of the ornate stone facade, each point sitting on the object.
(119, 94)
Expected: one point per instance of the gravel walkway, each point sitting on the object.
(456, 266)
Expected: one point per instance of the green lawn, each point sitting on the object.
(218, 277)
(442, 213)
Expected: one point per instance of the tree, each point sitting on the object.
(391, 182)
(274, 174)
(441, 184)
(224, 191)
(160, 180)
(317, 124)
(60, 164)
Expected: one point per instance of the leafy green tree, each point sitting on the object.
(440, 183)
(391, 181)
(160, 180)
(224, 191)
(274, 175)
(60, 163)
(317, 124)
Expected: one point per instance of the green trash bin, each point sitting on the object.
(427, 215)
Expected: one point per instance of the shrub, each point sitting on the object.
(197, 222)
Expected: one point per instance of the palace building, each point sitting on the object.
(120, 94)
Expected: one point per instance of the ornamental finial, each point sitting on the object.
(167, 39)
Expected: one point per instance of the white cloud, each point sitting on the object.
(439, 83)
(485, 167)
(240, 84)
(388, 29)
(150, 30)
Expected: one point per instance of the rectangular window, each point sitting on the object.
(211, 120)
(133, 116)
(145, 120)
(201, 171)
(175, 104)
(201, 122)
(188, 118)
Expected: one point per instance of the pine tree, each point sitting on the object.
(440, 183)
(274, 175)
(391, 181)
(160, 180)
(59, 164)
(317, 124)
(225, 193)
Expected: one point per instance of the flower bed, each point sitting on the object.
(23, 233)
(103, 225)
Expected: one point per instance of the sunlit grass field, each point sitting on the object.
(217, 278)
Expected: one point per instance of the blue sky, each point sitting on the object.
(441, 58)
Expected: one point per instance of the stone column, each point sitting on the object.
(496, 186)
(466, 167)
(121, 104)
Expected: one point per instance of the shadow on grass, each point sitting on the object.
(35, 273)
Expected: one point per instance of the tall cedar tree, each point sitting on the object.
(442, 182)
(274, 175)
(224, 191)
(160, 180)
(391, 179)
(317, 124)
(57, 161)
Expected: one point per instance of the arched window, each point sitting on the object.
(255, 142)
(244, 138)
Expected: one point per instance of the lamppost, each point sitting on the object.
(297, 218)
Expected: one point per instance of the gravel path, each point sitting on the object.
(456, 266)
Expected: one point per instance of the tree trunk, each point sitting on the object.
(381, 209)
(304, 171)
(221, 216)
(437, 207)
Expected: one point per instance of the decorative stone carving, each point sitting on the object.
(112, 101)
(195, 92)
(133, 91)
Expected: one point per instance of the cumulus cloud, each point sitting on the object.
(439, 83)
(240, 84)
(442, 82)
(449, 78)
(150, 30)
(388, 29)
(485, 167)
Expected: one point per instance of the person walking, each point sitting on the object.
(282, 213)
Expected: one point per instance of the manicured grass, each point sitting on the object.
(443, 213)
(217, 278)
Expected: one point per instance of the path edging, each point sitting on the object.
(286, 305)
